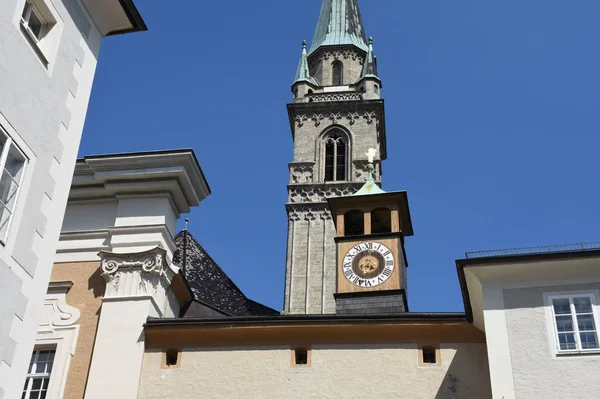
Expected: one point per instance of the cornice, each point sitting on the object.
(175, 173)
(107, 235)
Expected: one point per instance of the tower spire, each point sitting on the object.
(339, 24)
(370, 65)
(303, 73)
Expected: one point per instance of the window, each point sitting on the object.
(300, 357)
(171, 359)
(429, 355)
(354, 223)
(33, 22)
(40, 27)
(337, 73)
(575, 323)
(12, 165)
(335, 158)
(38, 376)
(381, 221)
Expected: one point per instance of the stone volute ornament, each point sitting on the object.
(149, 262)
(143, 274)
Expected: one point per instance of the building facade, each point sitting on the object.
(48, 55)
(114, 268)
(539, 308)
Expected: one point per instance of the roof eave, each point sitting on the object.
(307, 319)
(135, 18)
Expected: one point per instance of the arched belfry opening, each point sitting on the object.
(354, 223)
(381, 221)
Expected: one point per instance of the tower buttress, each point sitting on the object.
(336, 116)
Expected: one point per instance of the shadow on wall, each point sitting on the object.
(468, 375)
(97, 284)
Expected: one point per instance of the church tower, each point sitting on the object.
(336, 116)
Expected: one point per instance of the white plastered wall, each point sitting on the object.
(336, 371)
(45, 115)
(512, 300)
(501, 377)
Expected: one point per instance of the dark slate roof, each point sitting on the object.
(209, 283)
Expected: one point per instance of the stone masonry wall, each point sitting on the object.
(311, 264)
(321, 64)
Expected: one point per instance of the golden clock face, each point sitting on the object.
(368, 264)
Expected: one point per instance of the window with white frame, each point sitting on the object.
(38, 24)
(12, 166)
(38, 375)
(575, 322)
(33, 22)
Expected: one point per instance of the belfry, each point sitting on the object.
(336, 116)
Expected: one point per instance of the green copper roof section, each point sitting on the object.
(303, 73)
(370, 187)
(339, 24)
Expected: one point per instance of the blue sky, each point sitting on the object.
(492, 123)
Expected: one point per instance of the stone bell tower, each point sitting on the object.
(336, 116)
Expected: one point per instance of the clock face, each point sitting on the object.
(368, 264)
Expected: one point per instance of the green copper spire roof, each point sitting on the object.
(370, 187)
(370, 65)
(303, 73)
(339, 24)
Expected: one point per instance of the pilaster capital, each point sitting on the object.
(136, 274)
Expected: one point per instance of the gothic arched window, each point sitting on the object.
(337, 73)
(336, 151)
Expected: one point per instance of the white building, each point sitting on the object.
(48, 55)
(122, 210)
(539, 308)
